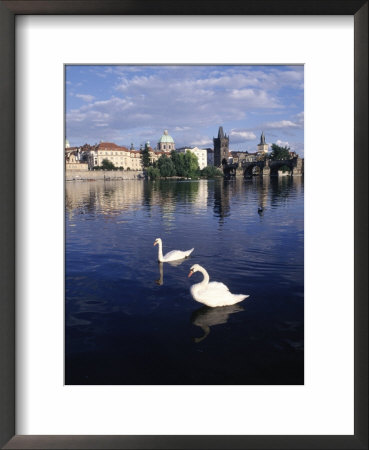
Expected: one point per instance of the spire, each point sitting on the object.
(262, 139)
(220, 133)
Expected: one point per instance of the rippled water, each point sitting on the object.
(130, 320)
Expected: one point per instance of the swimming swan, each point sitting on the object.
(174, 255)
(212, 294)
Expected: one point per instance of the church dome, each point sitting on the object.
(166, 138)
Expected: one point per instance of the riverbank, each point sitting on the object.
(98, 175)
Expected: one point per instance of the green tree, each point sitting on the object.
(178, 162)
(279, 153)
(153, 173)
(166, 166)
(211, 172)
(107, 165)
(191, 164)
(145, 157)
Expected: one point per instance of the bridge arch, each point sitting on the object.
(275, 166)
(252, 168)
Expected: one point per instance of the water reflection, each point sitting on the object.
(206, 317)
(121, 307)
(221, 199)
(114, 197)
(160, 280)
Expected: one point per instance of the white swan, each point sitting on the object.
(174, 255)
(214, 293)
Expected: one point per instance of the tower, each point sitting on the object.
(262, 146)
(221, 148)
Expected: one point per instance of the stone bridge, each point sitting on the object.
(264, 167)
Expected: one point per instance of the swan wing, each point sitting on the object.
(176, 254)
(216, 294)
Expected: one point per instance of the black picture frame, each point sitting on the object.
(8, 11)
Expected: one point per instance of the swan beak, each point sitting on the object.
(190, 274)
(155, 243)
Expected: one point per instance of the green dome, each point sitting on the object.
(166, 138)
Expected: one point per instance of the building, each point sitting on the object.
(119, 156)
(242, 157)
(202, 155)
(154, 155)
(263, 147)
(210, 156)
(221, 148)
(166, 142)
(73, 159)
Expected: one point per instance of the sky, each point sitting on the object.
(132, 104)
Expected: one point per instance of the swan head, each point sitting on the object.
(194, 269)
(157, 241)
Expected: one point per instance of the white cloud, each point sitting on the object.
(282, 143)
(85, 97)
(282, 124)
(202, 142)
(238, 136)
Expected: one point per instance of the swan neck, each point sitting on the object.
(206, 279)
(160, 251)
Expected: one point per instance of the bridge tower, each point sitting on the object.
(221, 148)
(298, 167)
(263, 147)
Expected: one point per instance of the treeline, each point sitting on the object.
(184, 165)
(108, 165)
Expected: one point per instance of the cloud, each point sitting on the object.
(85, 97)
(202, 142)
(282, 124)
(238, 136)
(282, 143)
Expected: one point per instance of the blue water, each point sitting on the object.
(130, 320)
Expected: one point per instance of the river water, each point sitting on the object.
(130, 320)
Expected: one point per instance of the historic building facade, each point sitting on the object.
(221, 147)
(119, 156)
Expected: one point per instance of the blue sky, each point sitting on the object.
(134, 104)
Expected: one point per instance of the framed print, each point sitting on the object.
(184, 184)
(155, 360)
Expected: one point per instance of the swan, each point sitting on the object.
(174, 255)
(212, 294)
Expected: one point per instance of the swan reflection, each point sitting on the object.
(160, 280)
(206, 317)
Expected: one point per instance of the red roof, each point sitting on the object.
(111, 146)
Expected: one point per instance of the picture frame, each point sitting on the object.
(8, 11)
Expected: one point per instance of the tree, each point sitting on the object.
(153, 173)
(107, 165)
(191, 164)
(178, 162)
(211, 172)
(166, 166)
(279, 153)
(145, 157)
